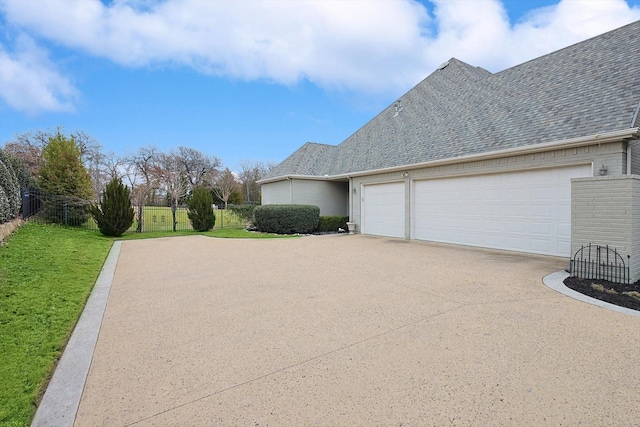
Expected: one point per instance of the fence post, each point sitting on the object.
(64, 211)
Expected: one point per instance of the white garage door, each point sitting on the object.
(383, 209)
(528, 211)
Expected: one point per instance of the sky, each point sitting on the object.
(255, 80)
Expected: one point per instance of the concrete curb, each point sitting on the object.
(555, 281)
(60, 402)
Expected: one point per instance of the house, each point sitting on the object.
(541, 158)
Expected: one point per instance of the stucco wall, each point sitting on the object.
(332, 197)
(276, 193)
(610, 154)
(606, 211)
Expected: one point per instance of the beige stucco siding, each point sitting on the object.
(276, 193)
(330, 196)
(606, 211)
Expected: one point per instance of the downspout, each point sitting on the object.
(630, 143)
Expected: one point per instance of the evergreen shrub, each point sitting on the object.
(332, 223)
(286, 219)
(114, 216)
(4, 206)
(201, 209)
(9, 183)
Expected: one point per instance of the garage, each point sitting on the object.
(525, 211)
(383, 209)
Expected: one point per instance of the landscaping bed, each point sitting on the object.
(627, 296)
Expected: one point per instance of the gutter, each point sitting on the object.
(601, 138)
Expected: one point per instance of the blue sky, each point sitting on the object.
(254, 80)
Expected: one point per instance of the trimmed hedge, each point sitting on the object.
(286, 219)
(332, 223)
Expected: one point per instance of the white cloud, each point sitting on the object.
(363, 46)
(29, 82)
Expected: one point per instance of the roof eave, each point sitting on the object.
(601, 138)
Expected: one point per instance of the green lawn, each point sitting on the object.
(158, 218)
(46, 275)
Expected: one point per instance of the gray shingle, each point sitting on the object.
(588, 88)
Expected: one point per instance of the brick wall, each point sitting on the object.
(606, 211)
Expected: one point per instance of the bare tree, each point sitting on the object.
(138, 171)
(224, 185)
(28, 148)
(198, 168)
(251, 172)
(170, 174)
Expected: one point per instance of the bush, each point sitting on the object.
(4, 206)
(244, 211)
(287, 219)
(332, 223)
(11, 187)
(114, 216)
(201, 209)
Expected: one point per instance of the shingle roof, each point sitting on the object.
(588, 88)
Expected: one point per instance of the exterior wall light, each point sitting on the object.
(603, 170)
(405, 174)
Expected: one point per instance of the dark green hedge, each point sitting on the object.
(286, 219)
(332, 223)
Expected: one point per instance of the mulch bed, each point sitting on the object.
(615, 293)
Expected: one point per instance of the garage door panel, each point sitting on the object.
(383, 212)
(527, 211)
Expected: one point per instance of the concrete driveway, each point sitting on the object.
(352, 330)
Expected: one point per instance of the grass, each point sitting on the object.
(158, 218)
(46, 275)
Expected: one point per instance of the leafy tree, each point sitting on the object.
(115, 213)
(201, 210)
(62, 173)
(29, 146)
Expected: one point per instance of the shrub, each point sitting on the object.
(244, 211)
(9, 183)
(4, 206)
(332, 223)
(201, 209)
(114, 216)
(286, 219)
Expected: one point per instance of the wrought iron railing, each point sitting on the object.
(600, 262)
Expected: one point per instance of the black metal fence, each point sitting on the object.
(72, 211)
(600, 262)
